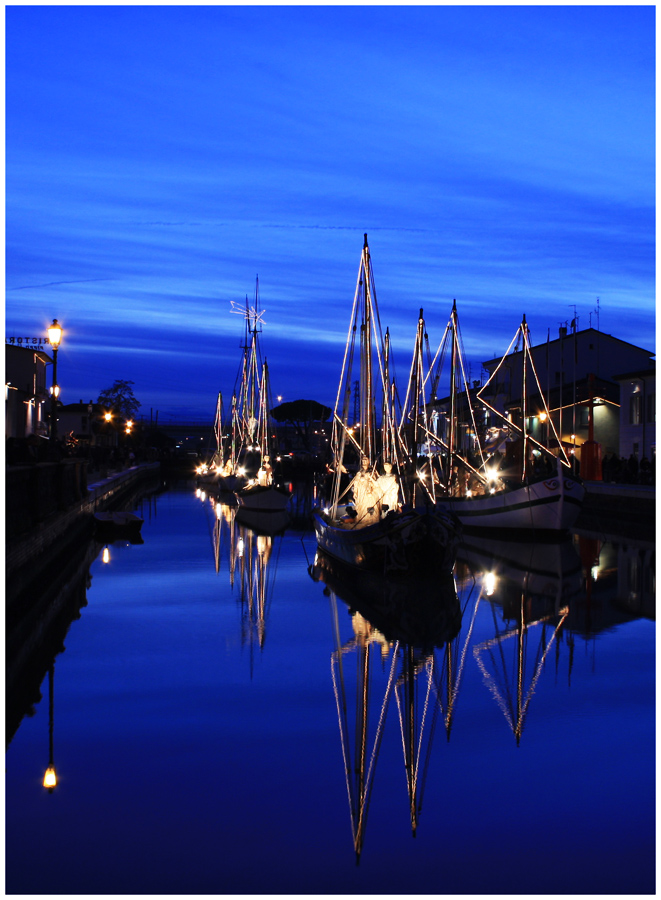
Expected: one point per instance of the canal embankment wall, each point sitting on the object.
(48, 551)
(622, 510)
(51, 505)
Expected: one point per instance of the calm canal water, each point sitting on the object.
(223, 723)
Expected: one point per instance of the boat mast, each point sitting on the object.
(218, 428)
(453, 395)
(386, 442)
(366, 388)
(524, 403)
(263, 415)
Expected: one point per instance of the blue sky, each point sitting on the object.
(159, 158)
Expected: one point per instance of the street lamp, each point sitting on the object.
(54, 337)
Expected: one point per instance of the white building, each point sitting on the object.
(27, 400)
(638, 413)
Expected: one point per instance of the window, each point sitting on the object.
(651, 407)
(634, 409)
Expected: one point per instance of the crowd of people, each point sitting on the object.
(34, 449)
(619, 470)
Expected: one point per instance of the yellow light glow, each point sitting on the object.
(469, 493)
(107, 416)
(55, 334)
(50, 778)
(242, 471)
(106, 555)
(490, 583)
(542, 417)
(219, 511)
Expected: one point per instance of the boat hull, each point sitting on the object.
(549, 505)
(263, 498)
(269, 522)
(229, 484)
(548, 573)
(422, 612)
(110, 526)
(398, 545)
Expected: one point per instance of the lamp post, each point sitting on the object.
(54, 337)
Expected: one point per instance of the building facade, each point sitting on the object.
(27, 400)
(638, 414)
(576, 378)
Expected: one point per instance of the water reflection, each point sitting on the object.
(50, 775)
(39, 613)
(510, 608)
(416, 622)
(247, 540)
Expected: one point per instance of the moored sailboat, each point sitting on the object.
(208, 473)
(378, 527)
(262, 492)
(248, 469)
(526, 489)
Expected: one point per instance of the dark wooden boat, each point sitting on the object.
(376, 521)
(115, 525)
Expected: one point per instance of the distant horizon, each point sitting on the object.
(203, 418)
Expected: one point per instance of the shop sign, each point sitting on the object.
(33, 342)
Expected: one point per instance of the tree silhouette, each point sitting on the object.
(121, 398)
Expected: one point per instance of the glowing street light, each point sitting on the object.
(55, 338)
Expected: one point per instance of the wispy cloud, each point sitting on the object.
(500, 155)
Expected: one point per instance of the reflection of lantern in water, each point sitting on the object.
(50, 776)
(106, 555)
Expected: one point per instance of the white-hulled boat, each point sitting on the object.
(530, 490)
